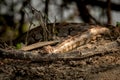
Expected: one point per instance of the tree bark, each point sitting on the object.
(109, 21)
(84, 13)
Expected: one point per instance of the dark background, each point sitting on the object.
(16, 15)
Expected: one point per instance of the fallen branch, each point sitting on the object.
(38, 45)
(77, 40)
(75, 55)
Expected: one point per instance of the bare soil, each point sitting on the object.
(100, 67)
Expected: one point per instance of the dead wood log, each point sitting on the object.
(77, 40)
(75, 55)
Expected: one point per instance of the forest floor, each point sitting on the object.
(104, 67)
(97, 67)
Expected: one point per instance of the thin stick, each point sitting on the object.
(38, 45)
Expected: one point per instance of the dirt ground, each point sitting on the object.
(98, 67)
(103, 67)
